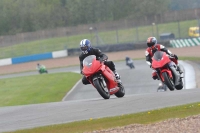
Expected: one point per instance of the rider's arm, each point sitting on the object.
(148, 58)
(81, 64)
(164, 49)
(98, 53)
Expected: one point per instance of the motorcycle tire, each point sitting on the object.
(168, 81)
(133, 66)
(103, 90)
(121, 91)
(180, 86)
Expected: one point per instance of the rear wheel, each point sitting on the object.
(168, 81)
(121, 91)
(101, 87)
(40, 72)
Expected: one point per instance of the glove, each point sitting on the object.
(175, 56)
(101, 60)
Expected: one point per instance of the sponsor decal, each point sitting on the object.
(113, 89)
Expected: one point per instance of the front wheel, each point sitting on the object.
(168, 81)
(180, 86)
(101, 87)
(121, 91)
(133, 66)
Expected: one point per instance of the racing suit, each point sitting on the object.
(150, 52)
(99, 55)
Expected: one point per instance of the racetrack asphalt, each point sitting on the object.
(85, 102)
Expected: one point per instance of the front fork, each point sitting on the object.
(164, 69)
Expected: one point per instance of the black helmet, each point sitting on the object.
(127, 58)
(151, 42)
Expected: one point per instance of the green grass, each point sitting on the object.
(151, 116)
(36, 89)
(189, 58)
(106, 37)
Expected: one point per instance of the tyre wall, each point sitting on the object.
(178, 43)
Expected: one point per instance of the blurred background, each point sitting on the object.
(38, 26)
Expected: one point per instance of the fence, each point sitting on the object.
(123, 31)
(172, 16)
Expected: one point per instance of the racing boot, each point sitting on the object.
(179, 69)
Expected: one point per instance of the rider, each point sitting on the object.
(38, 67)
(152, 48)
(128, 60)
(87, 50)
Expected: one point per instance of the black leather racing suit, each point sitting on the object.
(98, 54)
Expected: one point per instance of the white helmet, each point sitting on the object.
(85, 46)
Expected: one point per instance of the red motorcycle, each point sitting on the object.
(166, 70)
(102, 78)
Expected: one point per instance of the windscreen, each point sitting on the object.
(88, 60)
(158, 55)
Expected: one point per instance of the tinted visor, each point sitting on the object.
(84, 48)
(150, 44)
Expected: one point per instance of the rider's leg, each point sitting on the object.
(178, 66)
(154, 75)
(179, 69)
(85, 81)
(111, 65)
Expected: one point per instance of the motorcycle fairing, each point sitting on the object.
(160, 59)
(91, 68)
(110, 77)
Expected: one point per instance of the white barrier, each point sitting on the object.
(58, 54)
(7, 61)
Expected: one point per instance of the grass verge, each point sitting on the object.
(36, 89)
(148, 117)
(190, 58)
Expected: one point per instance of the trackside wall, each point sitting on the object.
(75, 51)
(35, 57)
